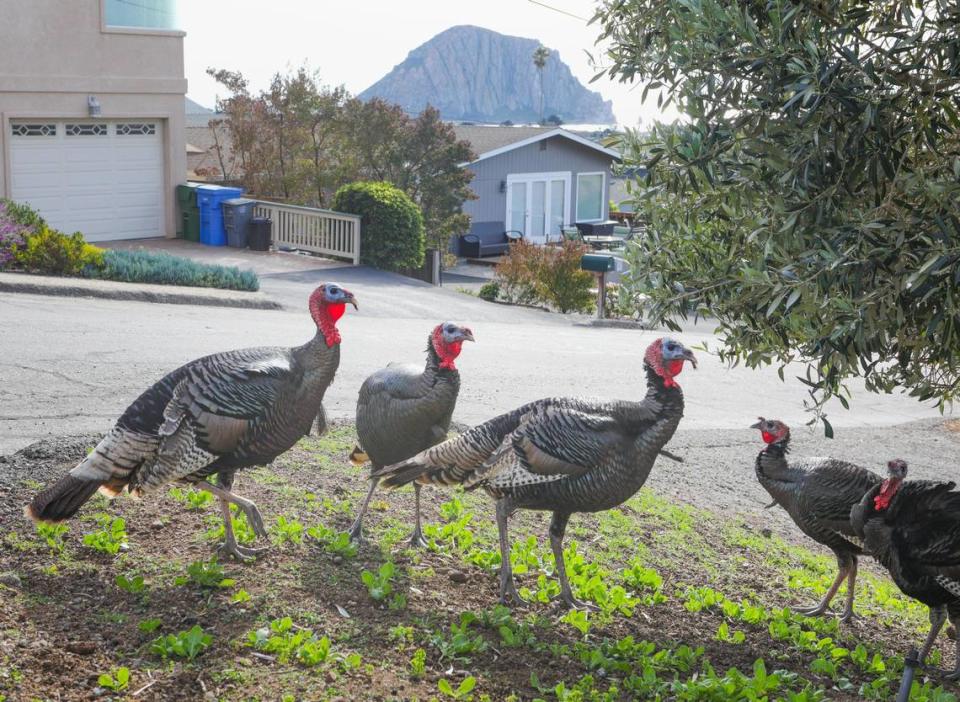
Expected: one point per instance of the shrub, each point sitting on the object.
(561, 282)
(14, 228)
(530, 273)
(50, 251)
(391, 232)
(517, 273)
(142, 266)
(490, 291)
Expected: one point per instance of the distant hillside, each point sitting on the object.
(475, 74)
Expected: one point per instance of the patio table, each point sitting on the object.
(603, 242)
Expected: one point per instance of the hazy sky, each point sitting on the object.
(356, 42)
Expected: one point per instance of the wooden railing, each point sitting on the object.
(325, 232)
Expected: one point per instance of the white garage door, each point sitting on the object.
(104, 179)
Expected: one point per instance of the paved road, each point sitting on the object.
(72, 365)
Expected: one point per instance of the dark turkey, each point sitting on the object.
(404, 409)
(563, 454)
(817, 493)
(216, 414)
(913, 529)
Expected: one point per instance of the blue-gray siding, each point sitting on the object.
(559, 155)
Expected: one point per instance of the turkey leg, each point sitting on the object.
(356, 531)
(508, 591)
(938, 615)
(848, 614)
(955, 621)
(558, 527)
(230, 546)
(821, 607)
(416, 539)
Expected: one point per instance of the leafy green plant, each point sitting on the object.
(110, 537)
(531, 273)
(134, 585)
(205, 574)
(461, 643)
(148, 626)
(287, 531)
(418, 663)
(117, 680)
(242, 530)
(185, 644)
(192, 499)
(379, 584)
(240, 596)
(461, 691)
(391, 230)
(52, 534)
(287, 641)
(143, 266)
(336, 542)
(578, 620)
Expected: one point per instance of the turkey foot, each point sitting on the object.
(356, 531)
(508, 593)
(250, 511)
(416, 539)
(571, 602)
(824, 604)
(243, 554)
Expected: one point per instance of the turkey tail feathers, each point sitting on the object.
(358, 456)
(61, 500)
(401, 473)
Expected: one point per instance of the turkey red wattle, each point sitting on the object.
(767, 437)
(447, 352)
(325, 315)
(888, 488)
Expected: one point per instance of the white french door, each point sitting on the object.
(538, 204)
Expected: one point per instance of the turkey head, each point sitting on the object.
(447, 339)
(666, 356)
(772, 430)
(327, 304)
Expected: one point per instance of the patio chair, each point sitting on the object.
(572, 234)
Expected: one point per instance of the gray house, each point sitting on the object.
(535, 180)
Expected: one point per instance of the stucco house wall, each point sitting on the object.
(56, 53)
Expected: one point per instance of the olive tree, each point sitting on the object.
(808, 201)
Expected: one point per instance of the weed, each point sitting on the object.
(205, 574)
(418, 663)
(148, 626)
(110, 537)
(461, 643)
(462, 690)
(240, 596)
(192, 499)
(116, 680)
(52, 534)
(379, 585)
(185, 644)
(287, 531)
(134, 585)
(337, 543)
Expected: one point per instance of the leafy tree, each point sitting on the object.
(809, 201)
(540, 57)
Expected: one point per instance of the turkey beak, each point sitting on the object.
(351, 299)
(467, 335)
(688, 356)
(757, 425)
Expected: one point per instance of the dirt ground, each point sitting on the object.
(65, 621)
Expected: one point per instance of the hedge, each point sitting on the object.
(391, 228)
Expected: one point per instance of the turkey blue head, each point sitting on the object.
(897, 471)
(772, 431)
(327, 304)
(665, 357)
(447, 338)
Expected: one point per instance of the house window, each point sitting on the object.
(141, 14)
(34, 129)
(86, 130)
(589, 197)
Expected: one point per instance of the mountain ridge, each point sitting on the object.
(475, 74)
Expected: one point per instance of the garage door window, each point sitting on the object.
(135, 129)
(29, 130)
(86, 130)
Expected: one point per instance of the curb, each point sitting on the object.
(135, 292)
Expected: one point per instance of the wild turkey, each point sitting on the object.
(216, 414)
(403, 409)
(817, 493)
(562, 454)
(913, 529)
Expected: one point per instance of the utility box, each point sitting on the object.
(237, 213)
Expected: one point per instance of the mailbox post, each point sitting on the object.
(601, 265)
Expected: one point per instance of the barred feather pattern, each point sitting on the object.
(404, 409)
(917, 539)
(566, 454)
(817, 493)
(220, 412)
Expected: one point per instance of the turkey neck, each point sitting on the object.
(433, 373)
(772, 461)
(315, 355)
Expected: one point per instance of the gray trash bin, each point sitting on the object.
(237, 213)
(260, 233)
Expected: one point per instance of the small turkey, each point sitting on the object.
(913, 528)
(817, 493)
(214, 415)
(404, 409)
(563, 455)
